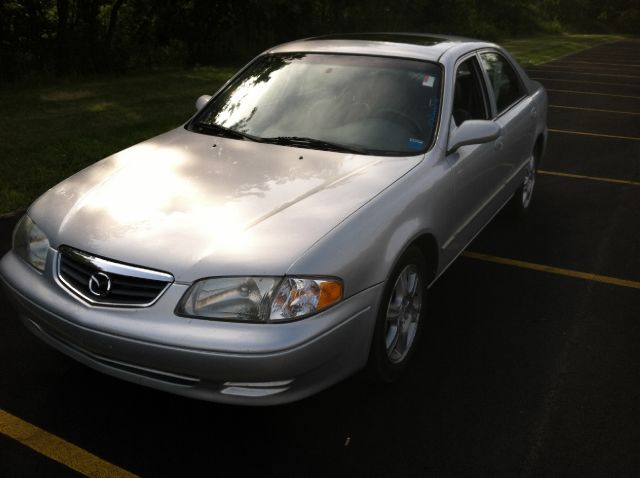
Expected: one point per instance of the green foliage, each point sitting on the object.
(49, 132)
(45, 38)
(542, 48)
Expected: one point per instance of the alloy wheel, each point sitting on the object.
(403, 314)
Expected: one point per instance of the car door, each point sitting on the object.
(513, 111)
(479, 170)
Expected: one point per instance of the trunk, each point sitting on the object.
(62, 65)
(113, 21)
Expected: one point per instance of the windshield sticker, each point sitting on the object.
(415, 143)
(428, 80)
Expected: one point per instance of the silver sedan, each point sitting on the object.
(286, 236)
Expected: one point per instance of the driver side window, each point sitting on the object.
(468, 98)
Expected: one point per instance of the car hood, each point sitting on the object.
(196, 205)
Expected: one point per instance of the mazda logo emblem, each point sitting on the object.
(100, 284)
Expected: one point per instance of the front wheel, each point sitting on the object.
(400, 318)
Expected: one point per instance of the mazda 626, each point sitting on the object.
(285, 236)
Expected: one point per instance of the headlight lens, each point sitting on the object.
(30, 243)
(259, 299)
(229, 298)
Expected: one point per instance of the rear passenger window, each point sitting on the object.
(506, 85)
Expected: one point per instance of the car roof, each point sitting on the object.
(422, 46)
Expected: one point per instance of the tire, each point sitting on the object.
(520, 203)
(400, 318)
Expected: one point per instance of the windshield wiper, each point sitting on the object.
(314, 144)
(219, 130)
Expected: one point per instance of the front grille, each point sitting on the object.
(104, 282)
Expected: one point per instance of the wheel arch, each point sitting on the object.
(427, 244)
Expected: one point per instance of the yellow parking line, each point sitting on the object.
(587, 82)
(600, 63)
(57, 449)
(593, 93)
(598, 135)
(571, 68)
(552, 270)
(616, 75)
(577, 69)
(597, 110)
(591, 178)
(613, 58)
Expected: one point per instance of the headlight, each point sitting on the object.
(30, 243)
(259, 299)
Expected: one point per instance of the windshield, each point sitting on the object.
(365, 104)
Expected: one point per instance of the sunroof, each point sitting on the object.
(412, 38)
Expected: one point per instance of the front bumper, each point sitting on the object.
(256, 364)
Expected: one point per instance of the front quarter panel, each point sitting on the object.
(364, 248)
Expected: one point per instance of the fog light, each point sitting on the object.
(255, 389)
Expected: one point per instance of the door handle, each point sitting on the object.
(498, 145)
(534, 112)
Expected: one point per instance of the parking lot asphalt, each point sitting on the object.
(521, 372)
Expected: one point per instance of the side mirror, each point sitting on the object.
(473, 132)
(203, 100)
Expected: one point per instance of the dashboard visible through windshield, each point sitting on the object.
(354, 103)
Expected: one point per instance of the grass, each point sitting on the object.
(540, 49)
(49, 132)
